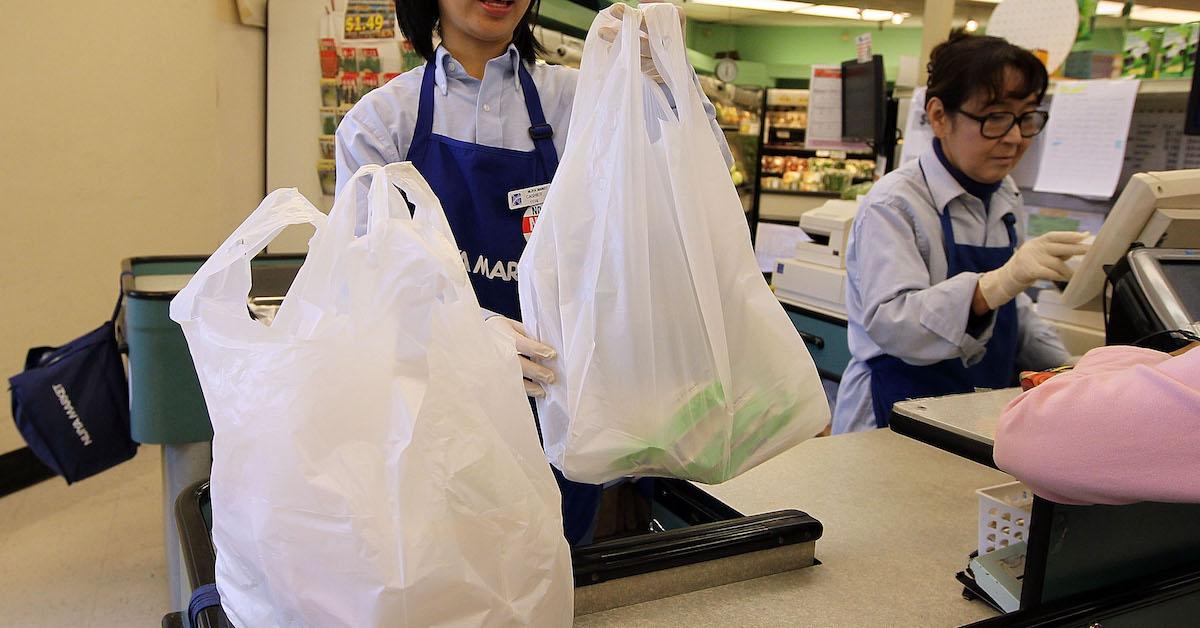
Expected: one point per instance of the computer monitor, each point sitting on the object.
(1156, 209)
(864, 101)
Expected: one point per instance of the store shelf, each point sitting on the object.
(1148, 86)
(789, 150)
(1166, 86)
(801, 193)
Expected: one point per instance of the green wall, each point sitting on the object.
(768, 53)
(775, 52)
(1104, 39)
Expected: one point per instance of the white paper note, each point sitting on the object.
(1153, 143)
(918, 135)
(825, 111)
(1188, 153)
(773, 242)
(1026, 172)
(1085, 140)
(909, 71)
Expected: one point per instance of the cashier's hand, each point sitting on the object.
(610, 33)
(528, 350)
(1044, 257)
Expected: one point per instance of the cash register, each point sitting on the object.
(1142, 274)
(816, 275)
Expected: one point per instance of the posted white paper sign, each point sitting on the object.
(1085, 140)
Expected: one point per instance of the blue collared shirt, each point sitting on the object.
(898, 299)
(491, 111)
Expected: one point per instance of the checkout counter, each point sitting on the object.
(1132, 565)
(898, 519)
(895, 519)
(811, 286)
(1136, 564)
(866, 549)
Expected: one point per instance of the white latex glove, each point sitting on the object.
(528, 350)
(1044, 257)
(610, 33)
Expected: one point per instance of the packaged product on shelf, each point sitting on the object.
(367, 81)
(329, 92)
(327, 174)
(1179, 50)
(835, 180)
(1141, 52)
(329, 120)
(327, 144)
(368, 60)
(349, 92)
(388, 76)
(1089, 64)
(329, 57)
(409, 56)
(349, 57)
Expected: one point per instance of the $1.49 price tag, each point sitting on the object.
(370, 19)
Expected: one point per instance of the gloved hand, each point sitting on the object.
(610, 33)
(528, 350)
(1044, 257)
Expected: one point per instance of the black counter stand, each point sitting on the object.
(700, 542)
(1135, 564)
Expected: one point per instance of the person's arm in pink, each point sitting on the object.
(1122, 427)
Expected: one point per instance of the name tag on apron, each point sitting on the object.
(528, 197)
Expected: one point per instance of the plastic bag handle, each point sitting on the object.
(383, 202)
(404, 175)
(280, 209)
(667, 50)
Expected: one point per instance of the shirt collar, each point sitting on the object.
(447, 66)
(942, 185)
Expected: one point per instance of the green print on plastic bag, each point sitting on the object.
(712, 464)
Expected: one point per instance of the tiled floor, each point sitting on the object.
(85, 555)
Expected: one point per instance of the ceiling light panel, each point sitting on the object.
(782, 6)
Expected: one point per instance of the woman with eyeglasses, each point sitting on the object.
(936, 271)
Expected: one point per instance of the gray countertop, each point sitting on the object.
(971, 415)
(900, 519)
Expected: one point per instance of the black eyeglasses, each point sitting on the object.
(996, 125)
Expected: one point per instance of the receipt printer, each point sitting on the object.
(816, 277)
(828, 226)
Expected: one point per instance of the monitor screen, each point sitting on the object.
(863, 101)
(1130, 220)
(1184, 277)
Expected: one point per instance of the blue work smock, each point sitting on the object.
(899, 301)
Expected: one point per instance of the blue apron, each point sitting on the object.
(893, 379)
(473, 183)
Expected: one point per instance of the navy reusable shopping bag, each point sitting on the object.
(72, 404)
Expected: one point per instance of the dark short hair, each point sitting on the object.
(419, 18)
(966, 64)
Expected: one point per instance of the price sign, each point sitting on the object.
(370, 19)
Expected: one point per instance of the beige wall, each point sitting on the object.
(127, 127)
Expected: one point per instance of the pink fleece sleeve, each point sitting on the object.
(1122, 427)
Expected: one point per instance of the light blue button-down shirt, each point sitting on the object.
(379, 129)
(898, 299)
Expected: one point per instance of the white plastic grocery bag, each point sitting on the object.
(375, 460)
(674, 358)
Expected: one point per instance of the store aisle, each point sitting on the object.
(86, 555)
